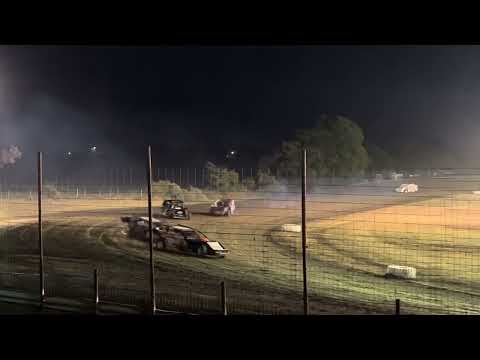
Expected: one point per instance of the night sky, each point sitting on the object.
(194, 103)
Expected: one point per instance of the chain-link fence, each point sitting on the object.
(370, 241)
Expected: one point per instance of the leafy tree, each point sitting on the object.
(264, 177)
(379, 159)
(221, 179)
(335, 148)
(249, 183)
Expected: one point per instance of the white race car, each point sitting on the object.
(407, 188)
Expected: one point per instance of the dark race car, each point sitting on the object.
(138, 227)
(224, 207)
(188, 240)
(175, 209)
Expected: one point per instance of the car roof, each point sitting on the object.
(144, 218)
(181, 227)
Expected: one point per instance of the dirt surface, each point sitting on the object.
(263, 271)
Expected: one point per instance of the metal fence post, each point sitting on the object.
(40, 239)
(150, 230)
(397, 306)
(95, 284)
(224, 298)
(304, 233)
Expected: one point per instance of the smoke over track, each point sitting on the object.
(9, 155)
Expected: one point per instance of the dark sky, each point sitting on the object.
(192, 103)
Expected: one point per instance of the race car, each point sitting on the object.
(175, 238)
(407, 188)
(188, 240)
(224, 207)
(175, 209)
(138, 227)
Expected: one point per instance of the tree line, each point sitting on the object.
(336, 148)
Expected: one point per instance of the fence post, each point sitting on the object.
(40, 239)
(77, 193)
(150, 230)
(397, 306)
(95, 284)
(304, 233)
(195, 176)
(223, 295)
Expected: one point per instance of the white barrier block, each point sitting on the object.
(291, 228)
(404, 272)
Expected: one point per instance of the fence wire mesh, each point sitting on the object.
(356, 228)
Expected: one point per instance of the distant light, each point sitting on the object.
(69, 153)
(231, 154)
(93, 149)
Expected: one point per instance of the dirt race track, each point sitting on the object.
(352, 238)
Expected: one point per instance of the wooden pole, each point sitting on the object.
(150, 230)
(40, 239)
(304, 233)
